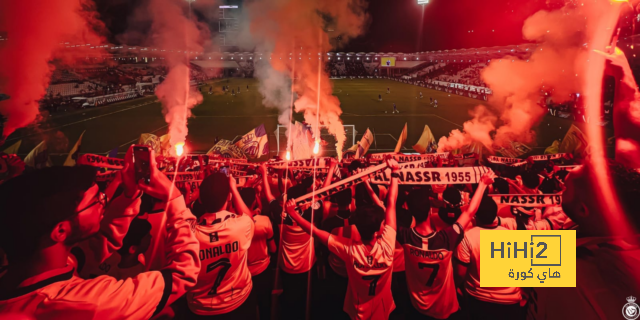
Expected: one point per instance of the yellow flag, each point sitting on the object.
(427, 142)
(402, 139)
(13, 149)
(574, 142)
(364, 144)
(150, 140)
(73, 154)
(553, 148)
(38, 157)
(165, 145)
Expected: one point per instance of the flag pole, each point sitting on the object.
(374, 137)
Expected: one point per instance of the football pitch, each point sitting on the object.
(229, 117)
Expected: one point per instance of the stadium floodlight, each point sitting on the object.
(423, 1)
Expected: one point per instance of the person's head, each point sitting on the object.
(248, 196)
(307, 182)
(581, 200)
(48, 207)
(215, 192)
(500, 186)
(487, 211)
(549, 186)
(368, 219)
(561, 175)
(292, 193)
(531, 180)
(354, 166)
(138, 238)
(343, 198)
(419, 205)
(452, 197)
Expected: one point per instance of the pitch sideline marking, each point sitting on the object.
(84, 120)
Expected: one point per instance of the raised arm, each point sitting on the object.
(468, 213)
(320, 234)
(238, 203)
(373, 195)
(332, 169)
(118, 214)
(181, 267)
(265, 183)
(392, 196)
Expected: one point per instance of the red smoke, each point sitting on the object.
(477, 129)
(557, 63)
(180, 38)
(299, 27)
(37, 31)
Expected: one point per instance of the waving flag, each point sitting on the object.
(574, 142)
(255, 143)
(38, 157)
(73, 154)
(150, 140)
(402, 139)
(427, 142)
(160, 145)
(226, 149)
(364, 144)
(13, 149)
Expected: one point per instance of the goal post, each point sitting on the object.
(349, 130)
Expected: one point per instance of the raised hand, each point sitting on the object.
(128, 175)
(488, 178)
(290, 207)
(392, 164)
(159, 187)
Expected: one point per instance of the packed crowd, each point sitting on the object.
(215, 238)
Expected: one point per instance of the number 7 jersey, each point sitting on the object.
(369, 272)
(224, 282)
(427, 261)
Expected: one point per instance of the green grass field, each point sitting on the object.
(228, 117)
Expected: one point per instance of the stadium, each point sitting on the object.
(76, 101)
(297, 159)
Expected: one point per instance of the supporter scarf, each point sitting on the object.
(182, 185)
(106, 176)
(402, 158)
(229, 160)
(301, 164)
(338, 186)
(568, 168)
(504, 160)
(415, 174)
(528, 200)
(183, 176)
(95, 160)
(545, 157)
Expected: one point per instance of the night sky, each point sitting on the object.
(398, 25)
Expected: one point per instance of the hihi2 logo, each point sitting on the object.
(527, 258)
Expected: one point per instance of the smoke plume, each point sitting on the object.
(37, 32)
(275, 88)
(556, 65)
(295, 33)
(178, 36)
